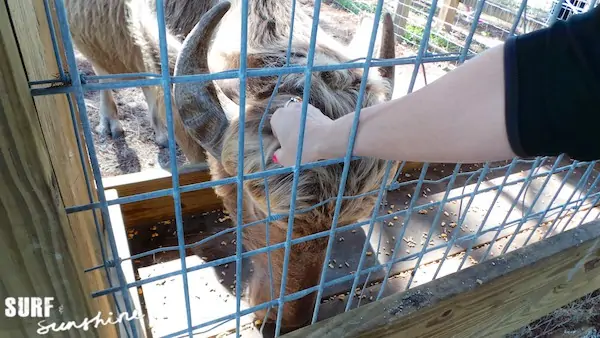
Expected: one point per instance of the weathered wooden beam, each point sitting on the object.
(123, 251)
(42, 253)
(486, 300)
(161, 208)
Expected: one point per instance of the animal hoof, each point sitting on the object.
(162, 140)
(102, 128)
(116, 130)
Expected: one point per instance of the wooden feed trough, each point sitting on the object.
(203, 218)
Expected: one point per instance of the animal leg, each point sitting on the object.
(161, 136)
(190, 148)
(109, 120)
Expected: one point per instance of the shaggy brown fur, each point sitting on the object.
(214, 45)
(121, 36)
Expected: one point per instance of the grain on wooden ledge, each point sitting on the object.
(487, 300)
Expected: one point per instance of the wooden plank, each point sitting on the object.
(486, 300)
(120, 236)
(162, 208)
(31, 28)
(42, 252)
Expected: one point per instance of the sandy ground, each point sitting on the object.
(134, 152)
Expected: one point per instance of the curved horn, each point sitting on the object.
(198, 104)
(387, 50)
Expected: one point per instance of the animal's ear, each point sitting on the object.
(388, 51)
(359, 46)
(384, 48)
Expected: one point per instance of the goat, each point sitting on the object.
(209, 112)
(121, 36)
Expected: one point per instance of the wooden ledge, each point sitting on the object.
(487, 300)
(162, 208)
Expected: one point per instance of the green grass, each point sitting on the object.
(414, 35)
(356, 7)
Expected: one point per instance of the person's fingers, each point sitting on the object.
(274, 119)
(273, 128)
(277, 156)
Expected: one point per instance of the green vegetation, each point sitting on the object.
(414, 35)
(356, 7)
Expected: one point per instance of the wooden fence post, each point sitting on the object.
(43, 252)
(401, 17)
(447, 13)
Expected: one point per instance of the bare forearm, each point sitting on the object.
(540, 99)
(458, 118)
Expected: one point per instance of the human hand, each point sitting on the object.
(285, 123)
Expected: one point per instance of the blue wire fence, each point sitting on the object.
(496, 20)
(564, 198)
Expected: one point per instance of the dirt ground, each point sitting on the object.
(578, 319)
(136, 152)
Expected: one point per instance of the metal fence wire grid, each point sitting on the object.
(341, 233)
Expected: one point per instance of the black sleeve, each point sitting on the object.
(552, 84)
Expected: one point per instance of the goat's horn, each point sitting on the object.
(198, 104)
(387, 50)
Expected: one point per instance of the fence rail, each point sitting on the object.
(499, 12)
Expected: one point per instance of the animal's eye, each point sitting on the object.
(326, 76)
